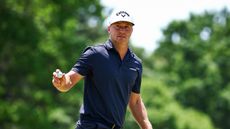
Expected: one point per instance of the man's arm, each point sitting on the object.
(67, 81)
(139, 112)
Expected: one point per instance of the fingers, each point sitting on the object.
(58, 78)
(58, 70)
(58, 73)
(56, 82)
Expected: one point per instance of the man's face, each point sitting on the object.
(120, 31)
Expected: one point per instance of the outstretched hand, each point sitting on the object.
(59, 79)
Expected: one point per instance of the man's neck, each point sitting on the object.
(121, 48)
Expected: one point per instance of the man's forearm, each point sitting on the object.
(140, 114)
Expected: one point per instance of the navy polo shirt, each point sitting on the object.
(108, 82)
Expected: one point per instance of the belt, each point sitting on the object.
(89, 118)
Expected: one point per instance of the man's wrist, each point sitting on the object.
(147, 125)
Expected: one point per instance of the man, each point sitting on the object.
(112, 75)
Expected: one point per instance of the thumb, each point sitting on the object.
(63, 78)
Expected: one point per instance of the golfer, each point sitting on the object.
(112, 79)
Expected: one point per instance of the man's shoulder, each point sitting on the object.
(99, 46)
(96, 48)
(135, 57)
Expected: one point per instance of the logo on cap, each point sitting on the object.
(122, 13)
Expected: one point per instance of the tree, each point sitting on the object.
(194, 58)
(36, 37)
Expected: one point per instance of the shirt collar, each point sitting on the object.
(109, 46)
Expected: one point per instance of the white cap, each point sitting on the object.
(120, 15)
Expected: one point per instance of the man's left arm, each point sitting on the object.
(139, 111)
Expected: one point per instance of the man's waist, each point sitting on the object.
(84, 117)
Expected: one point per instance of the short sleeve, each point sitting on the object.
(137, 86)
(83, 64)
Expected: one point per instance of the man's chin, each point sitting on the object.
(122, 40)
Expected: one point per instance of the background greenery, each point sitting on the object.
(185, 82)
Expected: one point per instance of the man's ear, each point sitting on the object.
(108, 29)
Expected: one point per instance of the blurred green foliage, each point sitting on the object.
(193, 58)
(36, 37)
(185, 81)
